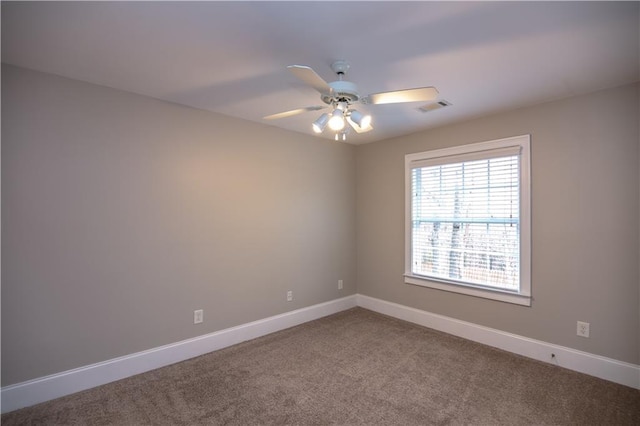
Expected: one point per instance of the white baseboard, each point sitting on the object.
(583, 362)
(57, 385)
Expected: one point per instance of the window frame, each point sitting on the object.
(456, 154)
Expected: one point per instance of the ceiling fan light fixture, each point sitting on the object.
(320, 124)
(363, 121)
(336, 122)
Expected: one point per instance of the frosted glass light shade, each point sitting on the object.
(319, 125)
(363, 121)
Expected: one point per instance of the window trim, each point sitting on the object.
(522, 297)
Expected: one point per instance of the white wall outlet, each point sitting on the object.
(583, 329)
(289, 296)
(339, 284)
(198, 316)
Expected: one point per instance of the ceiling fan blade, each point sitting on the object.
(357, 128)
(399, 96)
(293, 112)
(309, 76)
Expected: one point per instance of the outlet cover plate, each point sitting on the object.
(583, 329)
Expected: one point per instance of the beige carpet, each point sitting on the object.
(353, 368)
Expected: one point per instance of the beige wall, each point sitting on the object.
(585, 222)
(122, 214)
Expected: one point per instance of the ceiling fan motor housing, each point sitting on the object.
(343, 91)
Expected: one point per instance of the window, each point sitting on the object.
(468, 220)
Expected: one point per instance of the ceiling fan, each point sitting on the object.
(341, 95)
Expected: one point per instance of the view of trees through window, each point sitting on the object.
(465, 222)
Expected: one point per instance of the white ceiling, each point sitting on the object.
(231, 57)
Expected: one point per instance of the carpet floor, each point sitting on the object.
(356, 367)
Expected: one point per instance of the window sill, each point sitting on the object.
(470, 290)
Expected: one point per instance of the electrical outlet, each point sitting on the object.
(198, 316)
(583, 329)
(339, 284)
(289, 296)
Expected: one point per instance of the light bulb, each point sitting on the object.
(336, 122)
